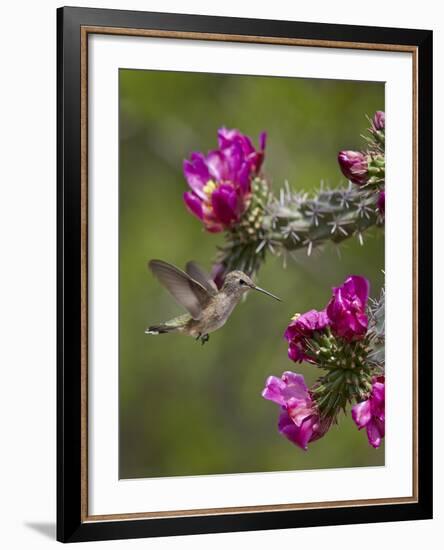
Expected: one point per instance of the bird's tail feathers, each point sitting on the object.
(173, 325)
(160, 329)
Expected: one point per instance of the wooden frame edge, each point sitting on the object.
(84, 271)
(85, 31)
(200, 512)
(222, 37)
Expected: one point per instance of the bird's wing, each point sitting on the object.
(188, 292)
(199, 275)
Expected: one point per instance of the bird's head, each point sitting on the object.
(238, 283)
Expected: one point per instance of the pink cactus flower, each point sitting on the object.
(302, 327)
(299, 420)
(220, 182)
(370, 414)
(346, 309)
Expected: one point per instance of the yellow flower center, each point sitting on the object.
(295, 316)
(209, 188)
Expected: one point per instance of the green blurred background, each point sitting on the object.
(187, 409)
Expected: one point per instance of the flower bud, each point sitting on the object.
(378, 121)
(354, 166)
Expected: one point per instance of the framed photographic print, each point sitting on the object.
(244, 309)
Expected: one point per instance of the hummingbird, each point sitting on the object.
(208, 307)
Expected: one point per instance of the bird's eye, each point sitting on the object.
(242, 282)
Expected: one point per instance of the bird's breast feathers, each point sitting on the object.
(217, 312)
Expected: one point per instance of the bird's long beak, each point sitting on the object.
(266, 292)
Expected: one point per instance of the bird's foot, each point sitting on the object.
(204, 338)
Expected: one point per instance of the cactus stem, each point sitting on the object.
(294, 220)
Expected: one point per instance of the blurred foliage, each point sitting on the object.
(187, 409)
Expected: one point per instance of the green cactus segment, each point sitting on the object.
(333, 215)
(246, 243)
(376, 170)
(350, 366)
(349, 372)
(376, 332)
(339, 388)
(295, 221)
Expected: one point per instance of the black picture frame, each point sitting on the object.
(72, 525)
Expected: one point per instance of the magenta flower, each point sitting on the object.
(302, 328)
(346, 309)
(230, 138)
(354, 166)
(381, 202)
(218, 273)
(220, 182)
(370, 414)
(378, 121)
(299, 420)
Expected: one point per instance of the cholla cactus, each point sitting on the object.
(295, 221)
(229, 193)
(345, 341)
(376, 331)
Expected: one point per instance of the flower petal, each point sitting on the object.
(361, 413)
(217, 166)
(301, 328)
(354, 166)
(194, 204)
(218, 273)
(243, 179)
(378, 400)
(346, 309)
(379, 120)
(196, 173)
(226, 137)
(306, 431)
(234, 158)
(371, 413)
(290, 386)
(380, 424)
(299, 435)
(359, 286)
(262, 140)
(274, 389)
(294, 385)
(225, 203)
(300, 410)
(381, 202)
(213, 227)
(296, 353)
(373, 433)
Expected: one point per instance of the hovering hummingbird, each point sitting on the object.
(208, 308)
